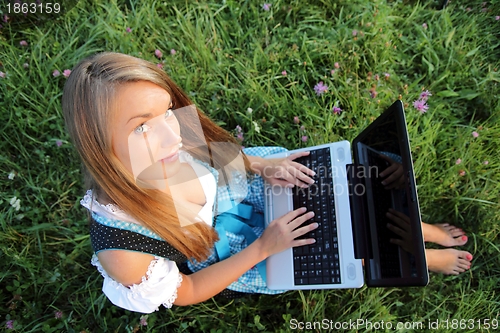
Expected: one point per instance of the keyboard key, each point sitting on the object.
(316, 280)
(301, 281)
(314, 264)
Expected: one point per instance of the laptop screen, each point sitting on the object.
(389, 224)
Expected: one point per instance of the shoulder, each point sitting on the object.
(125, 267)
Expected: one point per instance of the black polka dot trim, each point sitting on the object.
(106, 238)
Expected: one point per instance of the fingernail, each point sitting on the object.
(383, 182)
(303, 209)
(316, 224)
(311, 214)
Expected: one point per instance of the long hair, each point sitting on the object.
(88, 106)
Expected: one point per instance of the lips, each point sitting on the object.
(171, 157)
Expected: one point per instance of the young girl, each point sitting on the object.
(159, 193)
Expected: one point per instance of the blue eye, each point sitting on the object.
(143, 128)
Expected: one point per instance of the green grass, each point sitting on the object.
(230, 57)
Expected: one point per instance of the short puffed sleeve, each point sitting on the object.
(158, 287)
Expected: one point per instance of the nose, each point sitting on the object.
(169, 137)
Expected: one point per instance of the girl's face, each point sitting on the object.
(145, 132)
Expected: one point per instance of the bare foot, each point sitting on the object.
(443, 234)
(448, 261)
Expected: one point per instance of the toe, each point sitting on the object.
(464, 255)
(461, 240)
(464, 266)
(463, 262)
(456, 232)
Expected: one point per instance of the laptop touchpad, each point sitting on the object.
(282, 201)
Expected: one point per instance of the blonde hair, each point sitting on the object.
(88, 106)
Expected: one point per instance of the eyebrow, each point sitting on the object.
(145, 115)
(148, 115)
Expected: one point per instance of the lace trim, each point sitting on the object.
(88, 200)
(136, 290)
(168, 304)
(95, 262)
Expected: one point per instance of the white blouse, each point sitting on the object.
(160, 283)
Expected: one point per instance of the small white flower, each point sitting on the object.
(249, 110)
(12, 175)
(16, 203)
(256, 126)
(19, 216)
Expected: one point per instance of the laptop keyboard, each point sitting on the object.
(318, 263)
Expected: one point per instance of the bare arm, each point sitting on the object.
(277, 237)
(256, 163)
(208, 282)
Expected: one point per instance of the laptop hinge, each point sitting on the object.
(359, 214)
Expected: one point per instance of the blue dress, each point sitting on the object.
(251, 281)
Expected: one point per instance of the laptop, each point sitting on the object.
(354, 244)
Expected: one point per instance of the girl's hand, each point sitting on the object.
(393, 174)
(402, 228)
(285, 172)
(281, 233)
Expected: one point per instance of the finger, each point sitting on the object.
(291, 178)
(298, 221)
(304, 230)
(392, 178)
(399, 222)
(397, 184)
(398, 173)
(390, 169)
(302, 242)
(397, 241)
(302, 168)
(296, 177)
(396, 230)
(399, 214)
(301, 172)
(393, 218)
(298, 154)
(288, 217)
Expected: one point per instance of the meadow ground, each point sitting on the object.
(256, 66)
